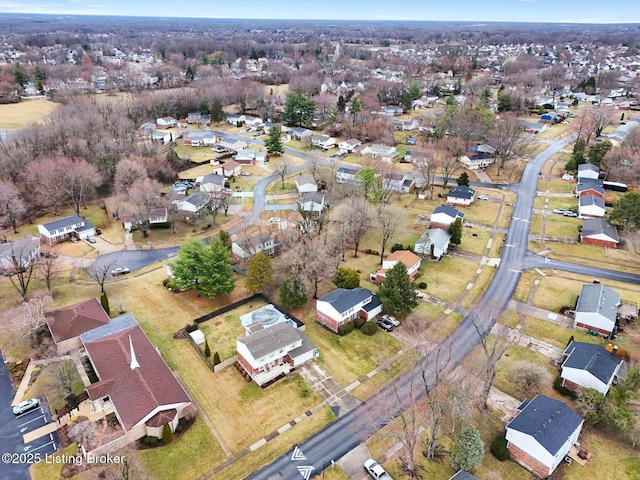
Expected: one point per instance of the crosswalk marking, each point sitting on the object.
(306, 471)
(297, 455)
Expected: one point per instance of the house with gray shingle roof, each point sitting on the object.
(542, 434)
(588, 365)
(588, 170)
(444, 215)
(597, 231)
(65, 228)
(461, 195)
(597, 308)
(434, 243)
(274, 351)
(590, 186)
(344, 305)
(591, 206)
(19, 254)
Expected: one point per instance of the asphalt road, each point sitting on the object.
(334, 441)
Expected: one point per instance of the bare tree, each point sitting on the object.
(281, 168)
(593, 121)
(388, 219)
(355, 219)
(49, 268)
(143, 197)
(314, 260)
(12, 207)
(22, 257)
(528, 378)
(65, 373)
(507, 139)
(100, 270)
(24, 321)
(427, 166)
(448, 156)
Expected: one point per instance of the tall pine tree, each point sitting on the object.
(274, 141)
(292, 291)
(397, 293)
(259, 273)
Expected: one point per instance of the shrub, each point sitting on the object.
(165, 282)
(499, 448)
(167, 434)
(216, 358)
(150, 440)
(557, 386)
(369, 328)
(422, 285)
(359, 322)
(207, 350)
(104, 301)
(346, 328)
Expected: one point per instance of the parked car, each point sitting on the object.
(26, 406)
(559, 211)
(385, 324)
(569, 213)
(483, 197)
(567, 176)
(419, 294)
(392, 320)
(375, 470)
(91, 240)
(245, 174)
(119, 271)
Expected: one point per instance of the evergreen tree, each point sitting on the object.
(274, 141)
(356, 107)
(341, 104)
(597, 151)
(396, 292)
(626, 211)
(292, 291)
(455, 230)
(104, 301)
(346, 277)
(216, 111)
(216, 358)
(225, 239)
(298, 109)
(167, 434)
(204, 268)
(463, 179)
(259, 273)
(190, 74)
(468, 449)
(19, 75)
(577, 157)
(207, 350)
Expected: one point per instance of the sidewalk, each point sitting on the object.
(527, 309)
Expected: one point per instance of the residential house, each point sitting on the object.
(157, 216)
(234, 119)
(190, 206)
(597, 308)
(306, 183)
(345, 305)
(362, 150)
(587, 170)
(533, 127)
(252, 244)
(275, 351)
(542, 433)
(213, 182)
(324, 142)
(406, 257)
(245, 156)
(312, 202)
(205, 138)
(597, 231)
(589, 365)
(18, 255)
(347, 146)
(591, 206)
(133, 380)
(347, 175)
(161, 136)
(443, 216)
(405, 125)
(166, 122)
(66, 228)
(66, 324)
(232, 145)
(302, 134)
(391, 110)
(232, 168)
(194, 117)
(461, 195)
(434, 243)
(254, 123)
(590, 186)
(477, 161)
(398, 182)
(384, 152)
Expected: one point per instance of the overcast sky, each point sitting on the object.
(563, 11)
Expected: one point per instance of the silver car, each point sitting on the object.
(26, 406)
(392, 320)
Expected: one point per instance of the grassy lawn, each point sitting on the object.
(51, 471)
(14, 116)
(525, 285)
(374, 384)
(479, 286)
(447, 278)
(474, 240)
(561, 226)
(553, 293)
(616, 259)
(48, 385)
(555, 185)
(517, 354)
(195, 154)
(184, 458)
(446, 327)
(496, 246)
(505, 216)
(223, 331)
(192, 173)
(482, 212)
(552, 333)
(276, 447)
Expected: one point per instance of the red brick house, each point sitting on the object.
(597, 231)
(66, 324)
(345, 305)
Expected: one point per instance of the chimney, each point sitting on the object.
(134, 362)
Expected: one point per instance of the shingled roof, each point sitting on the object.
(598, 298)
(592, 358)
(342, 299)
(549, 421)
(74, 320)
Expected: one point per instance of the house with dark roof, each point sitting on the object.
(434, 243)
(587, 170)
(590, 186)
(597, 231)
(252, 244)
(212, 182)
(398, 182)
(347, 146)
(347, 175)
(588, 365)
(194, 203)
(542, 433)
(597, 308)
(271, 352)
(443, 216)
(66, 228)
(133, 380)
(344, 305)
(66, 324)
(461, 195)
(18, 255)
(591, 206)
(312, 202)
(301, 133)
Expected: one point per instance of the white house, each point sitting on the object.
(199, 138)
(542, 434)
(312, 202)
(271, 352)
(166, 122)
(345, 305)
(347, 146)
(193, 204)
(444, 215)
(212, 183)
(477, 161)
(65, 228)
(19, 254)
(589, 365)
(384, 152)
(591, 206)
(587, 170)
(232, 145)
(597, 308)
(398, 182)
(434, 243)
(410, 260)
(461, 195)
(252, 244)
(306, 183)
(346, 175)
(160, 135)
(325, 142)
(228, 169)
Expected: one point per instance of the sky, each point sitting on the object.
(555, 11)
